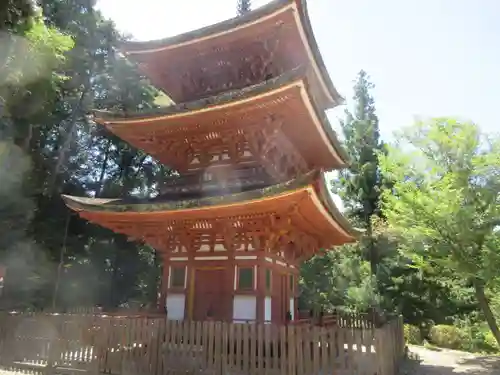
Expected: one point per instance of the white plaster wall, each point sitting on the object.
(244, 307)
(267, 309)
(175, 306)
(292, 308)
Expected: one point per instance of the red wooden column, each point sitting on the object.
(189, 290)
(261, 287)
(163, 284)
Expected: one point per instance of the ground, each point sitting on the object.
(449, 362)
(434, 362)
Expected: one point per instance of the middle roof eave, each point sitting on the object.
(295, 77)
(284, 79)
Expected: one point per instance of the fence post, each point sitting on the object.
(380, 350)
(53, 344)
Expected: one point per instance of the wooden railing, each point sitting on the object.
(96, 344)
(342, 319)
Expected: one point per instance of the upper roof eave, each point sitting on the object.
(137, 47)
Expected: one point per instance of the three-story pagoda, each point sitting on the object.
(249, 139)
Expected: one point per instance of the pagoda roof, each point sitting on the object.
(312, 213)
(177, 53)
(286, 99)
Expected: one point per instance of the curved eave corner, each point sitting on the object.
(328, 203)
(318, 59)
(328, 129)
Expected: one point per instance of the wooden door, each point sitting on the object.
(210, 295)
(280, 304)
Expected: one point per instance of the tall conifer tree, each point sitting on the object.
(360, 185)
(243, 7)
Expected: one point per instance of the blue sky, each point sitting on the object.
(426, 57)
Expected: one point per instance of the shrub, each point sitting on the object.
(449, 337)
(490, 343)
(479, 338)
(412, 334)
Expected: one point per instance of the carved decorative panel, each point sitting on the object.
(229, 67)
(268, 231)
(276, 153)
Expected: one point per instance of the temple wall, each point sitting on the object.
(244, 308)
(240, 285)
(267, 309)
(175, 304)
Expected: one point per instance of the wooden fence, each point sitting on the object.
(341, 319)
(95, 344)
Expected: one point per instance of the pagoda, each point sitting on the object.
(250, 140)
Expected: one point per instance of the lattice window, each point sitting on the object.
(268, 280)
(177, 277)
(245, 278)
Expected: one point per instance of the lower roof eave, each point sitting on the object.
(302, 192)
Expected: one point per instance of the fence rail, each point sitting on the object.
(341, 319)
(156, 346)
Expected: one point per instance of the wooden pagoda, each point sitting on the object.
(249, 139)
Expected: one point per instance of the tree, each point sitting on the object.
(15, 15)
(50, 145)
(81, 158)
(444, 204)
(244, 6)
(360, 185)
(32, 56)
(337, 279)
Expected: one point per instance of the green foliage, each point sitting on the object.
(443, 202)
(28, 82)
(243, 7)
(489, 342)
(412, 334)
(446, 336)
(36, 55)
(443, 205)
(16, 210)
(58, 70)
(472, 338)
(359, 186)
(337, 279)
(478, 339)
(15, 15)
(347, 277)
(395, 285)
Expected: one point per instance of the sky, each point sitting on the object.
(425, 57)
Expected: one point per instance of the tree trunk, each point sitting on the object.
(372, 249)
(61, 264)
(485, 307)
(100, 188)
(62, 155)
